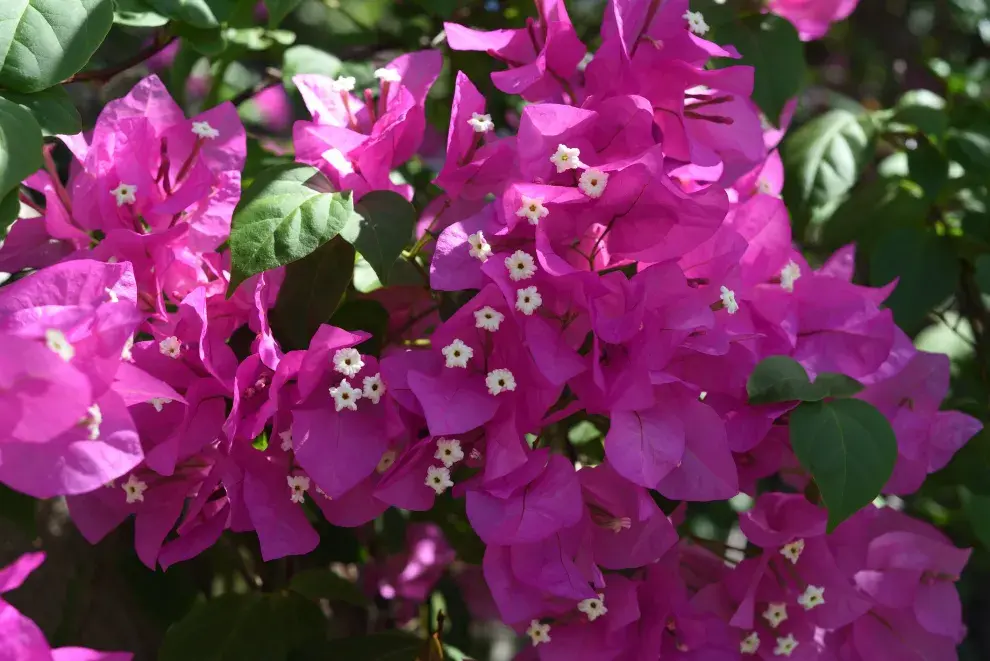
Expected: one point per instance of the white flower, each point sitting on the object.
(125, 353)
(763, 186)
(111, 295)
(345, 396)
(789, 275)
(55, 340)
(386, 461)
(775, 614)
(619, 524)
(593, 608)
(527, 300)
(338, 161)
(696, 22)
(134, 489)
(204, 130)
(387, 75)
(566, 158)
(91, 421)
(438, 478)
(481, 123)
(449, 451)
(347, 361)
(521, 265)
(343, 84)
(125, 194)
(793, 550)
(286, 437)
(488, 318)
(532, 209)
(170, 347)
(728, 299)
(785, 645)
(374, 387)
(750, 643)
(592, 182)
(499, 381)
(299, 485)
(813, 596)
(457, 353)
(538, 633)
(159, 402)
(480, 249)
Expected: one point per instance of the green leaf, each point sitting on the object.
(367, 315)
(311, 292)
(772, 46)
(206, 41)
(928, 167)
(261, 442)
(43, 42)
(279, 9)
(583, 432)
(52, 109)
(137, 14)
(831, 384)
(282, 218)
(257, 38)
(924, 110)
(380, 229)
(306, 59)
(20, 145)
(778, 379)
(324, 584)
(848, 447)
(977, 509)
(201, 14)
(10, 206)
(19, 509)
(971, 150)
(983, 273)
(823, 159)
(927, 267)
(870, 213)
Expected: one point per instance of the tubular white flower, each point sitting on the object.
(566, 158)
(299, 485)
(480, 249)
(55, 341)
(775, 614)
(125, 353)
(750, 644)
(457, 353)
(134, 489)
(386, 461)
(789, 275)
(345, 396)
(500, 380)
(204, 130)
(374, 388)
(92, 420)
(170, 347)
(438, 478)
(488, 318)
(111, 295)
(538, 633)
(125, 194)
(286, 437)
(786, 645)
(593, 608)
(159, 402)
(696, 22)
(347, 361)
(521, 265)
(592, 182)
(532, 209)
(387, 75)
(528, 300)
(481, 123)
(793, 550)
(449, 451)
(343, 84)
(728, 299)
(812, 597)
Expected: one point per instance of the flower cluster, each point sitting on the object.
(630, 259)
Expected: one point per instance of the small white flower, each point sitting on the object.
(696, 22)
(386, 461)
(457, 353)
(345, 396)
(728, 299)
(785, 645)
(373, 388)
(343, 84)
(593, 608)
(619, 524)
(299, 485)
(387, 75)
(347, 361)
(125, 353)
(793, 550)
(134, 489)
(480, 249)
(170, 347)
(125, 194)
(763, 186)
(566, 158)
(521, 265)
(204, 130)
(286, 437)
(438, 478)
(159, 402)
(111, 295)
(92, 420)
(528, 300)
(55, 340)
(592, 182)
(538, 633)
(775, 614)
(481, 123)
(499, 381)
(750, 643)
(109, 485)
(813, 596)
(789, 275)
(532, 209)
(449, 451)
(338, 161)
(488, 318)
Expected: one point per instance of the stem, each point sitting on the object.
(56, 181)
(106, 74)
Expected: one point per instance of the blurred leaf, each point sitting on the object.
(202, 14)
(261, 442)
(137, 14)
(324, 584)
(823, 159)
(306, 59)
(927, 268)
(583, 432)
(928, 167)
(977, 510)
(207, 41)
(366, 315)
(782, 379)
(832, 384)
(52, 109)
(311, 292)
(43, 42)
(390, 646)
(279, 9)
(19, 509)
(380, 229)
(971, 150)
(983, 273)
(257, 38)
(451, 516)
(848, 447)
(872, 211)
(20, 145)
(10, 205)
(924, 110)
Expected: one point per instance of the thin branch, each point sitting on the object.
(104, 75)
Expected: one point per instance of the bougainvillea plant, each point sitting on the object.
(542, 344)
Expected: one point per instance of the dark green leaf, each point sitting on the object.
(137, 14)
(43, 42)
(971, 150)
(279, 9)
(927, 267)
(778, 379)
(391, 646)
(872, 211)
(306, 59)
(206, 41)
(380, 229)
(977, 510)
(928, 167)
(983, 273)
(257, 38)
(830, 384)
(311, 292)
(197, 13)
(282, 218)
(324, 584)
(583, 432)
(367, 315)
(848, 447)
(52, 109)
(10, 206)
(19, 509)
(450, 515)
(924, 110)
(20, 145)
